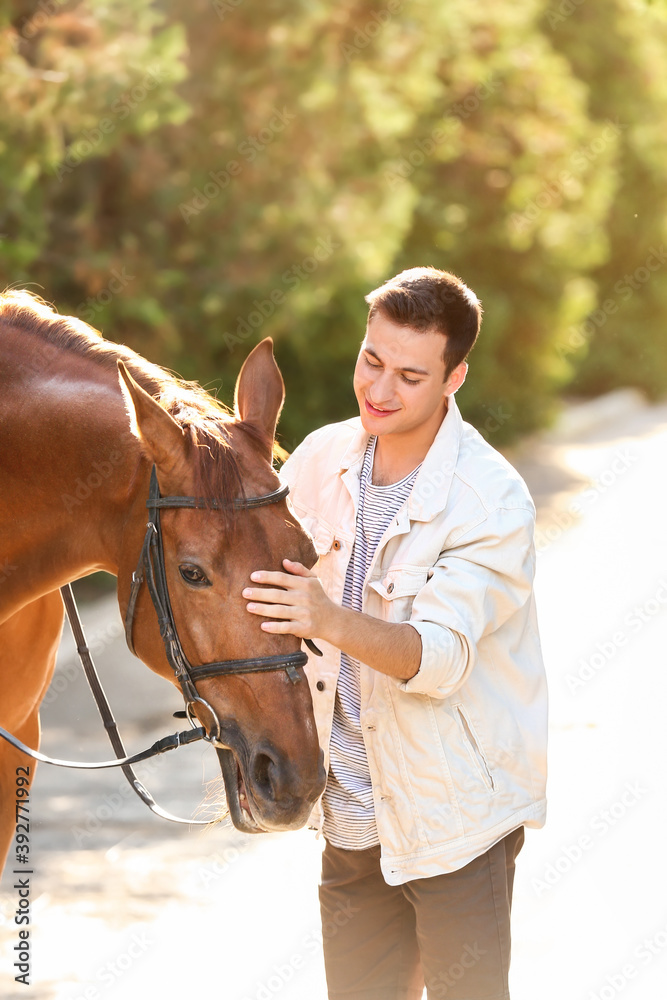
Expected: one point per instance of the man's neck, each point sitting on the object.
(396, 455)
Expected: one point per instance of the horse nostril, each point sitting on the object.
(263, 775)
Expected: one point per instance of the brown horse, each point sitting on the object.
(77, 444)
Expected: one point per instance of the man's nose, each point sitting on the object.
(382, 389)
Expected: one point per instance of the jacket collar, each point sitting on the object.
(431, 488)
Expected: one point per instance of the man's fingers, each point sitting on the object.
(283, 628)
(271, 610)
(264, 594)
(282, 579)
(276, 579)
(297, 568)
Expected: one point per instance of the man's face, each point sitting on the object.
(399, 379)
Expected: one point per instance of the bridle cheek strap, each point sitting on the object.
(151, 568)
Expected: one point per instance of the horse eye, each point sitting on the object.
(194, 575)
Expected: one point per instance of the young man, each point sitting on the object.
(430, 697)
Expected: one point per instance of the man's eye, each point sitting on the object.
(371, 365)
(193, 575)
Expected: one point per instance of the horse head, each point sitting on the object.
(261, 720)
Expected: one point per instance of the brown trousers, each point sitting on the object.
(450, 932)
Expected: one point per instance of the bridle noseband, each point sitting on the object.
(151, 568)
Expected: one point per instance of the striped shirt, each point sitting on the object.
(349, 815)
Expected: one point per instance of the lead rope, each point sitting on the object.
(108, 718)
(122, 760)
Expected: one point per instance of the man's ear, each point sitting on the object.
(456, 378)
(160, 436)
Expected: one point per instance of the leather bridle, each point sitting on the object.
(151, 568)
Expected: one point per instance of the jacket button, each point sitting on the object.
(390, 588)
(320, 685)
(336, 545)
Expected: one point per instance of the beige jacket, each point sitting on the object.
(457, 754)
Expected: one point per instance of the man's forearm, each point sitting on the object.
(393, 649)
(298, 605)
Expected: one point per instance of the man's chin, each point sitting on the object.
(376, 427)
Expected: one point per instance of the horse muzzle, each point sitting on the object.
(266, 792)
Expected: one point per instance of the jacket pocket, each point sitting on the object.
(398, 589)
(475, 748)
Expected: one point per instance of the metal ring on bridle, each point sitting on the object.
(195, 723)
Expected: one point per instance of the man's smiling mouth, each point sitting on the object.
(376, 411)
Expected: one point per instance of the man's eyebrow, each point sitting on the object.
(413, 371)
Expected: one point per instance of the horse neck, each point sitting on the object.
(72, 475)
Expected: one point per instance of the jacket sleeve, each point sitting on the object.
(473, 590)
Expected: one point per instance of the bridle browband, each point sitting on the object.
(151, 568)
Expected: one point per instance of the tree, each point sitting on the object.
(77, 84)
(618, 49)
(294, 156)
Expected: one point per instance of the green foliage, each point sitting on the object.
(617, 48)
(511, 201)
(193, 176)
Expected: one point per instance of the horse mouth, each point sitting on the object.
(237, 797)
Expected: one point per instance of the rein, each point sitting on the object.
(122, 760)
(151, 568)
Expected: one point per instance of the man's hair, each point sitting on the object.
(429, 300)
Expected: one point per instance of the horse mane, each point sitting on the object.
(205, 421)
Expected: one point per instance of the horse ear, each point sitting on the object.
(161, 437)
(260, 391)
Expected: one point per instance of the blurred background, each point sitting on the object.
(189, 177)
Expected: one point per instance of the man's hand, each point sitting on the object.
(300, 602)
(304, 610)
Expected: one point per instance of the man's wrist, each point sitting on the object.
(384, 646)
(337, 625)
